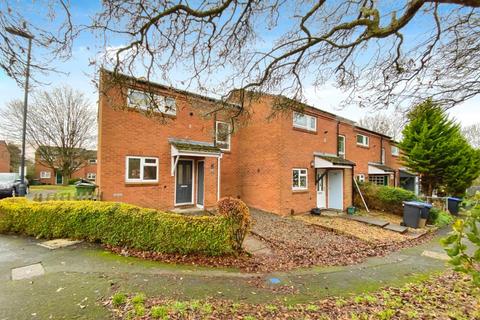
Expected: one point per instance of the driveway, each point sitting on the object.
(76, 279)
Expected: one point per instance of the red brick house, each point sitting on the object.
(4, 157)
(187, 153)
(46, 175)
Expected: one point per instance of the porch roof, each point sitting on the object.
(197, 147)
(378, 168)
(324, 160)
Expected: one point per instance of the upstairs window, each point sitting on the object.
(341, 146)
(91, 176)
(141, 169)
(299, 179)
(362, 140)
(92, 161)
(147, 101)
(395, 151)
(222, 135)
(304, 121)
(361, 177)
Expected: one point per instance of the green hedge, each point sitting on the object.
(383, 198)
(119, 225)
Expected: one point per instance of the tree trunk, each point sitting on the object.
(66, 178)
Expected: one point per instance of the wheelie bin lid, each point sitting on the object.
(418, 204)
(454, 199)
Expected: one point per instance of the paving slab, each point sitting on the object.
(396, 227)
(58, 243)
(436, 255)
(27, 272)
(373, 221)
(256, 246)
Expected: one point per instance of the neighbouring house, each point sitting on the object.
(44, 174)
(4, 157)
(190, 153)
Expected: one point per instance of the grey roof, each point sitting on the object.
(335, 159)
(381, 166)
(191, 145)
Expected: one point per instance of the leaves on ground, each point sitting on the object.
(293, 244)
(446, 296)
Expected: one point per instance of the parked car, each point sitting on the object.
(9, 184)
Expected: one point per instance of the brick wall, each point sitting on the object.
(126, 132)
(4, 157)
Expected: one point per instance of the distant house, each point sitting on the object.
(4, 157)
(304, 158)
(46, 175)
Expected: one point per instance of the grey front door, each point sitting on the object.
(184, 182)
(200, 175)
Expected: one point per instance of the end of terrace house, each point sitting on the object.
(187, 152)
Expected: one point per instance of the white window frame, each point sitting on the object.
(90, 175)
(342, 154)
(366, 140)
(165, 105)
(142, 166)
(300, 174)
(395, 153)
(360, 177)
(45, 174)
(92, 161)
(228, 142)
(308, 117)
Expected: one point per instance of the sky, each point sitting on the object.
(77, 73)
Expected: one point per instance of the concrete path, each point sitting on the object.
(76, 278)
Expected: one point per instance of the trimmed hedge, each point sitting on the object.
(120, 224)
(383, 198)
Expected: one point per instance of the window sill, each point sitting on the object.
(304, 130)
(363, 146)
(142, 183)
(144, 112)
(300, 191)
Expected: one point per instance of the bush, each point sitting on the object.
(383, 198)
(239, 214)
(439, 217)
(73, 180)
(124, 225)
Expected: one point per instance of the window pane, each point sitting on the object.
(223, 131)
(134, 168)
(360, 139)
(150, 160)
(295, 178)
(150, 173)
(341, 144)
(303, 181)
(299, 119)
(170, 106)
(313, 123)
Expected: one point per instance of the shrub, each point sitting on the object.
(73, 180)
(383, 198)
(238, 213)
(123, 225)
(439, 218)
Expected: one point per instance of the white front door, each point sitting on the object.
(335, 189)
(321, 194)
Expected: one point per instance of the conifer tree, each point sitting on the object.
(434, 147)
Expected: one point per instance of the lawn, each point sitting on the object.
(59, 190)
(444, 296)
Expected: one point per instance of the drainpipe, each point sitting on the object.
(353, 184)
(338, 132)
(215, 129)
(381, 148)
